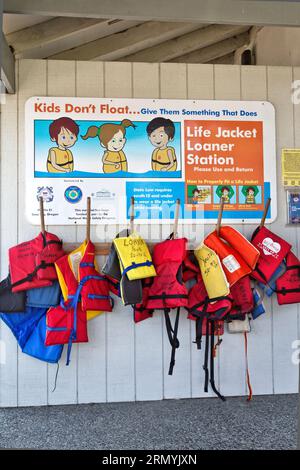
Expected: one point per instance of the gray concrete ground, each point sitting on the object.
(268, 422)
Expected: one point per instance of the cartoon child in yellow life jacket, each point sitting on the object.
(64, 132)
(225, 192)
(250, 192)
(161, 131)
(112, 138)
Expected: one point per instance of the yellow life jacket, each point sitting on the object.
(134, 257)
(213, 276)
(119, 158)
(63, 158)
(68, 273)
(161, 159)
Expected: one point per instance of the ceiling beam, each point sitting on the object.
(127, 42)
(54, 36)
(27, 40)
(186, 44)
(262, 12)
(225, 59)
(219, 49)
(7, 66)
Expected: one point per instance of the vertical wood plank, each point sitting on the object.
(61, 82)
(254, 87)
(32, 373)
(92, 355)
(148, 334)
(231, 352)
(120, 327)
(285, 321)
(9, 236)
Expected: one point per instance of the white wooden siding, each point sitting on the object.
(124, 361)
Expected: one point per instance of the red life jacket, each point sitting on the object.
(190, 267)
(140, 311)
(236, 253)
(272, 249)
(288, 285)
(67, 322)
(168, 290)
(242, 296)
(31, 263)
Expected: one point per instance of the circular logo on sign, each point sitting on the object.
(73, 194)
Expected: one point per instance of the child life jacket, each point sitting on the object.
(272, 249)
(190, 267)
(213, 275)
(288, 285)
(31, 263)
(168, 290)
(238, 256)
(259, 308)
(85, 292)
(242, 296)
(270, 287)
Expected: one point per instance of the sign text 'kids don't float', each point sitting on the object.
(154, 150)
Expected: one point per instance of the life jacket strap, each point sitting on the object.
(212, 360)
(250, 392)
(199, 324)
(168, 296)
(134, 265)
(172, 335)
(205, 365)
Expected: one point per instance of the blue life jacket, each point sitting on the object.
(44, 297)
(29, 329)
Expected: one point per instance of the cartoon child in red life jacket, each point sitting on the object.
(64, 132)
(112, 138)
(161, 131)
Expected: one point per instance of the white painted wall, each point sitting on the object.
(278, 46)
(124, 361)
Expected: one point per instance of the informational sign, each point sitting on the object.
(290, 164)
(154, 150)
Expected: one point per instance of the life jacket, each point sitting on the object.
(242, 296)
(67, 323)
(288, 285)
(259, 308)
(272, 249)
(31, 263)
(134, 256)
(190, 267)
(213, 275)
(11, 301)
(270, 287)
(130, 291)
(238, 256)
(44, 297)
(29, 329)
(168, 290)
(140, 311)
(114, 285)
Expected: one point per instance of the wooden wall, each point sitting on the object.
(123, 361)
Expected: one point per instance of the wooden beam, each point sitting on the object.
(116, 46)
(7, 63)
(26, 42)
(186, 44)
(262, 12)
(219, 49)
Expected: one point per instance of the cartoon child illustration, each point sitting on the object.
(196, 195)
(112, 138)
(64, 132)
(250, 198)
(225, 194)
(161, 131)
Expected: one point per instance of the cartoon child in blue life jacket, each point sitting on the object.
(161, 131)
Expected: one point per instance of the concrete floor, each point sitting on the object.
(268, 422)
